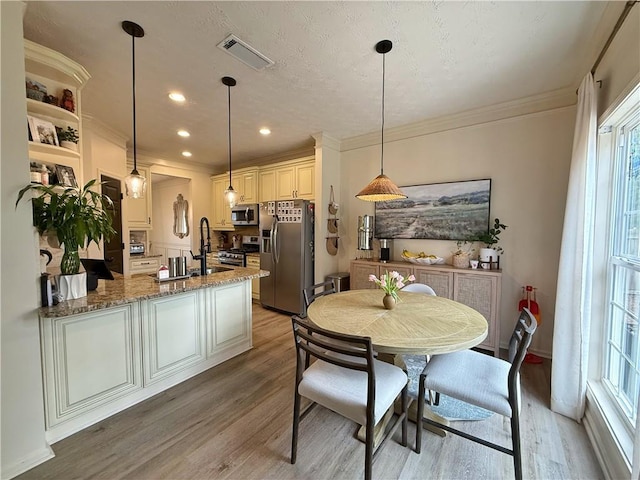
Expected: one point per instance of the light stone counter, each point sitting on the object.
(131, 289)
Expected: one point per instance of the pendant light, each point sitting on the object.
(230, 195)
(381, 188)
(135, 184)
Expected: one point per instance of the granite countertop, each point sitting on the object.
(123, 290)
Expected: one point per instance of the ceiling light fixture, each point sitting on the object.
(184, 133)
(177, 97)
(265, 131)
(135, 184)
(186, 153)
(230, 195)
(381, 188)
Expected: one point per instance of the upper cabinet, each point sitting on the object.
(139, 209)
(53, 85)
(245, 183)
(221, 219)
(288, 180)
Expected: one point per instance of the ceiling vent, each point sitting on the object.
(245, 53)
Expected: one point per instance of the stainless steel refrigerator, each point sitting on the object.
(286, 250)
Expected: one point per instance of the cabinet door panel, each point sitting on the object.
(267, 186)
(480, 293)
(173, 334)
(305, 176)
(441, 282)
(285, 183)
(228, 325)
(359, 275)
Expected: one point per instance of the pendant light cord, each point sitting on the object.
(133, 57)
(382, 134)
(229, 97)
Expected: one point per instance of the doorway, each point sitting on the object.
(113, 248)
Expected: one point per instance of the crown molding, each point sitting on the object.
(524, 106)
(323, 140)
(95, 126)
(48, 63)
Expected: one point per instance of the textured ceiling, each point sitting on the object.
(448, 57)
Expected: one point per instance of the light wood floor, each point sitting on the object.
(234, 422)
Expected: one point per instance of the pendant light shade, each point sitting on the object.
(135, 184)
(381, 188)
(230, 195)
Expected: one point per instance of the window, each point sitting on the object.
(622, 347)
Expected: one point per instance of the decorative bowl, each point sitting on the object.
(424, 260)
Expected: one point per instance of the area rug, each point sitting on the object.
(449, 408)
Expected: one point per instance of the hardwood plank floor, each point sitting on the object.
(234, 422)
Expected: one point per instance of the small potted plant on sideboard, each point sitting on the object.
(491, 250)
(68, 138)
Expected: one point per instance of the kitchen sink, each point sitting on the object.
(217, 269)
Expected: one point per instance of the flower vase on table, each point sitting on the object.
(391, 284)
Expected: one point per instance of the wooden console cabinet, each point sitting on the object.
(478, 289)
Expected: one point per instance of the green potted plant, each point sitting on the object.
(490, 240)
(68, 138)
(77, 216)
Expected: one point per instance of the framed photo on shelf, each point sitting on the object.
(42, 131)
(65, 175)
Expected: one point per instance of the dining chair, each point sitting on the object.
(419, 288)
(482, 380)
(310, 293)
(347, 379)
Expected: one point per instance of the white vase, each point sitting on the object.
(72, 286)
(69, 145)
(488, 255)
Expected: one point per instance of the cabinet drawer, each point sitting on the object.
(144, 265)
(253, 262)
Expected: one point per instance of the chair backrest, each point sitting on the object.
(310, 293)
(518, 344)
(419, 288)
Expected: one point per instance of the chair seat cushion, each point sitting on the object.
(472, 377)
(345, 391)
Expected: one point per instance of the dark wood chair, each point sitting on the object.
(347, 379)
(311, 293)
(484, 381)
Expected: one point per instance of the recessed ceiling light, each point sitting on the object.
(184, 133)
(177, 97)
(265, 131)
(186, 154)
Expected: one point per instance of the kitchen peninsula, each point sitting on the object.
(133, 338)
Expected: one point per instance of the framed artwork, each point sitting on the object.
(440, 211)
(66, 176)
(42, 131)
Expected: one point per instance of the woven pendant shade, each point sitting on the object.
(380, 189)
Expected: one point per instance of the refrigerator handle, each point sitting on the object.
(276, 245)
(272, 238)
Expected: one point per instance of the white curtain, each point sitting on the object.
(573, 295)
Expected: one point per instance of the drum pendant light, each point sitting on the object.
(135, 184)
(381, 188)
(230, 195)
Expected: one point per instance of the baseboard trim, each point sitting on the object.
(27, 463)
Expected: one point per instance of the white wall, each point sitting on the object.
(164, 194)
(22, 438)
(527, 158)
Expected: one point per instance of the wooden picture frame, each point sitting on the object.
(42, 131)
(66, 177)
(438, 211)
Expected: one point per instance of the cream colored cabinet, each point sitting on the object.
(139, 209)
(90, 361)
(49, 74)
(173, 335)
(143, 265)
(296, 181)
(254, 262)
(267, 185)
(221, 219)
(478, 289)
(227, 325)
(245, 182)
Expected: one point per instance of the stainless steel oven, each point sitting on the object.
(234, 257)
(136, 248)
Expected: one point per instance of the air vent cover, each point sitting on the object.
(245, 53)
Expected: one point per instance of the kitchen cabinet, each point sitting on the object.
(478, 289)
(144, 265)
(254, 262)
(267, 185)
(228, 309)
(221, 219)
(296, 181)
(56, 73)
(139, 209)
(245, 182)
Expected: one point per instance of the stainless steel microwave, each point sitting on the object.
(246, 214)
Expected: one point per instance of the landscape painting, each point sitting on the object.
(441, 211)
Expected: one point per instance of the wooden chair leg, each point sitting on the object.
(515, 438)
(296, 423)
(405, 420)
(420, 412)
(368, 453)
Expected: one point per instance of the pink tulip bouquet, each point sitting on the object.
(391, 283)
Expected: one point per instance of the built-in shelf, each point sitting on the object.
(52, 149)
(34, 107)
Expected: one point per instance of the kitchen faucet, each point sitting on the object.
(204, 248)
